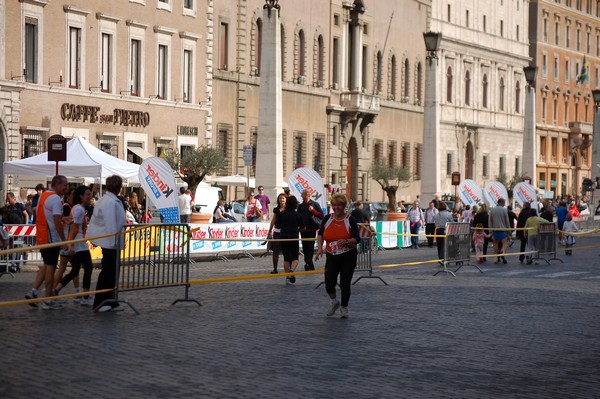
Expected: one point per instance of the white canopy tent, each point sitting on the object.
(235, 180)
(83, 160)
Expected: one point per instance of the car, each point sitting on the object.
(236, 210)
(377, 211)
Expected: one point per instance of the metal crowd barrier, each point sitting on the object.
(547, 242)
(457, 247)
(363, 261)
(154, 256)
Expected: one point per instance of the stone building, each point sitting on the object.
(563, 34)
(135, 77)
(480, 82)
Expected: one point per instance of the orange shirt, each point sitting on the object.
(41, 224)
(334, 231)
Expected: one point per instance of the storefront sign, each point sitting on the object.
(86, 113)
(187, 131)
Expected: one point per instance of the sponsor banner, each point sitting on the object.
(493, 192)
(525, 192)
(203, 233)
(469, 192)
(157, 180)
(306, 178)
(391, 239)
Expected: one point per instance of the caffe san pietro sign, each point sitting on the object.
(90, 114)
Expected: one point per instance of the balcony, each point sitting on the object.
(360, 102)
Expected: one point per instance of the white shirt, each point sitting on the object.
(52, 207)
(108, 218)
(78, 214)
(185, 204)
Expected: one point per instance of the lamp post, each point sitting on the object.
(431, 182)
(596, 135)
(529, 133)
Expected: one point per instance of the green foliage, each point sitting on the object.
(195, 164)
(390, 178)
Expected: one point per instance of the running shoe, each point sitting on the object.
(51, 305)
(332, 308)
(344, 312)
(32, 295)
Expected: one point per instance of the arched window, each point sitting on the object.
(419, 92)
(467, 88)
(393, 78)
(501, 99)
(320, 61)
(378, 72)
(406, 79)
(257, 46)
(484, 100)
(518, 97)
(301, 60)
(449, 79)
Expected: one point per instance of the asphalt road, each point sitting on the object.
(515, 331)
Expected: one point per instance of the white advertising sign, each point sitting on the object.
(493, 191)
(525, 192)
(157, 180)
(306, 178)
(469, 192)
(236, 232)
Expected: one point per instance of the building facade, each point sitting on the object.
(136, 77)
(564, 34)
(480, 82)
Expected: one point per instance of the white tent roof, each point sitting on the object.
(83, 160)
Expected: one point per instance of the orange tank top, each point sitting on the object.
(41, 223)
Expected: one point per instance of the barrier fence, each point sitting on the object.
(457, 247)
(547, 242)
(364, 260)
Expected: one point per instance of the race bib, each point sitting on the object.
(337, 247)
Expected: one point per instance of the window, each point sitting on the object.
(449, 13)
(185, 149)
(502, 165)
(335, 73)
(554, 149)
(566, 70)
(187, 76)
(501, 99)
(484, 24)
(405, 155)
(565, 151)
(74, 58)
(542, 180)
(105, 62)
(31, 50)
(517, 166)
(518, 36)
(578, 38)
(545, 30)
(109, 144)
(419, 83)
(393, 78)
(588, 42)
(542, 149)
(418, 162)
(449, 163)
(484, 166)
(188, 4)
(301, 55)
(319, 154)
(136, 67)
(449, 79)
(467, 88)
(518, 97)
(391, 154)
(544, 109)
(320, 67)
(378, 72)
(556, 68)
(377, 149)
(467, 18)
(406, 82)
(299, 149)
(501, 28)
(161, 77)
(257, 46)
(336, 19)
(555, 112)
(484, 100)
(224, 145)
(34, 142)
(556, 33)
(568, 36)
(223, 46)
(544, 65)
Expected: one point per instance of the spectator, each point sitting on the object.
(358, 214)
(569, 227)
(17, 213)
(252, 209)
(482, 217)
(499, 222)
(532, 234)
(430, 223)
(521, 233)
(441, 219)
(416, 218)
(264, 202)
(219, 214)
(312, 215)
(274, 232)
(290, 223)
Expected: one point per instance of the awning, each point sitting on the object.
(140, 152)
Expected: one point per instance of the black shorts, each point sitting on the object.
(50, 255)
(290, 250)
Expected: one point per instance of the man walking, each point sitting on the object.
(430, 222)
(185, 205)
(311, 212)
(499, 220)
(264, 202)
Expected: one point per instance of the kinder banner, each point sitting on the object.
(469, 192)
(525, 192)
(237, 232)
(493, 192)
(306, 178)
(157, 180)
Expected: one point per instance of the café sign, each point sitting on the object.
(91, 114)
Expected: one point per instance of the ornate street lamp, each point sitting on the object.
(271, 4)
(530, 74)
(432, 44)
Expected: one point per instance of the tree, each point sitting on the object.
(195, 164)
(509, 184)
(390, 178)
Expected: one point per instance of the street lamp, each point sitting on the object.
(596, 96)
(431, 179)
(432, 44)
(529, 132)
(596, 135)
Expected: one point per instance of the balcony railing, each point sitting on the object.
(360, 102)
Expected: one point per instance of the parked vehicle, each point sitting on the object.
(377, 211)
(206, 198)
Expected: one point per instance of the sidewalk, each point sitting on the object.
(510, 332)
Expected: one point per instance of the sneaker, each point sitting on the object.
(50, 305)
(292, 279)
(274, 272)
(86, 301)
(344, 312)
(287, 281)
(104, 309)
(32, 295)
(332, 308)
(117, 308)
(306, 267)
(77, 299)
(504, 260)
(60, 301)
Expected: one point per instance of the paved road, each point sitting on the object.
(516, 331)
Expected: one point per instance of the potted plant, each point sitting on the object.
(390, 178)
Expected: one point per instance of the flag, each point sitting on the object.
(584, 75)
